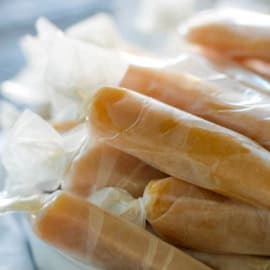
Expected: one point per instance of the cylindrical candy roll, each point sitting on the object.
(231, 32)
(182, 145)
(93, 235)
(189, 216)
(212, 96)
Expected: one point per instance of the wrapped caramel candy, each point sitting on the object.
(208, 94)
(167, 194)
(233, 32)
(193, 217)
(94, 236)
(182, 145)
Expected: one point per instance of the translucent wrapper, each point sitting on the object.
(33, 156)
(189, 216)
(182, 145)
(101, 165)
(36, 156)
(234, 32)
(94, 236)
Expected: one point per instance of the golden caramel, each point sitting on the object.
(193, 149)
(235, 33)
(226, 103)
(189, 216)
(94, 236)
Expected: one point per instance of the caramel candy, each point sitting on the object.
(212, 96)
(94, 236)
(189, 216)
(232, 32)
(182, 145)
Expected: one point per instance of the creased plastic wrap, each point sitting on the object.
(234, 32)
(182, 145)
(94, 236)
(189, 216)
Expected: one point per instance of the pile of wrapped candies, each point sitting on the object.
(138, 161)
